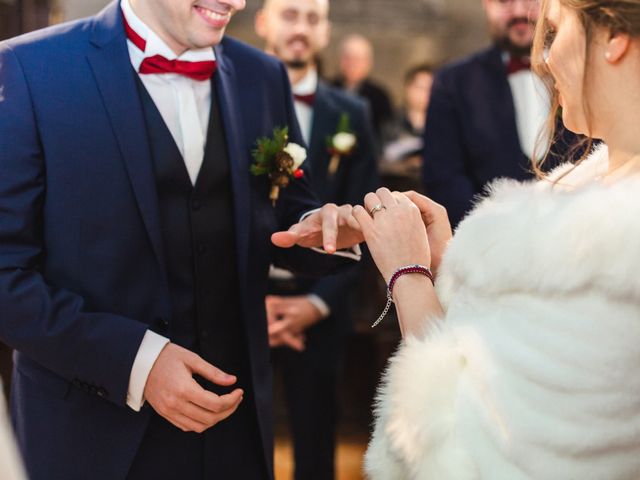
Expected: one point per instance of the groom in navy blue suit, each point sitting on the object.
(134, 243)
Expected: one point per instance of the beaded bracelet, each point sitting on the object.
(421, 269)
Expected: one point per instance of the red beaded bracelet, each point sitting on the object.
(421, 269)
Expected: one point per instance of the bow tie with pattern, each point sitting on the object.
(158, 64)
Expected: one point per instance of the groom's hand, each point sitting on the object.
(172, 391)
(332, 228)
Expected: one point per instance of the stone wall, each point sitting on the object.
(404, 32)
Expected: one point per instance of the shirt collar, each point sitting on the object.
(155, 45)
(308, 85)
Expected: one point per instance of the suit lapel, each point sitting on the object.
(326, 115)
(114, 76)
(231, 112)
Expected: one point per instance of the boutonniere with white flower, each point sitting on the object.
(278, 159)
(341, 144)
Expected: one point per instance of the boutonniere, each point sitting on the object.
(341, 144)
(278, 159)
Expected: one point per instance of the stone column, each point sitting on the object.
(72, 9)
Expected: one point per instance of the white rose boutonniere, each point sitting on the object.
(344, 142)
(278, 159)
(341, 144)
(297, 153)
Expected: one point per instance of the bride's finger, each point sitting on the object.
(386, 197)
(401, 198)
(371, 200)
(429, 209)
(364, 220)
(353, 223)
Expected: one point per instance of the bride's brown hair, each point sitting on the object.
(617, 16)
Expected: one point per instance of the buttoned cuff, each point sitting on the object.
(150, 348)
(354, 253)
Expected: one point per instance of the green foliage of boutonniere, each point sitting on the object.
(279, 160)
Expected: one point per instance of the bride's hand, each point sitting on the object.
(436, 221)
(396, 234)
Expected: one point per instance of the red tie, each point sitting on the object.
(517, 64)
(306, 99)
(158, 64)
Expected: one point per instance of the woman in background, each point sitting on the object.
(523, 362)
(403, 144)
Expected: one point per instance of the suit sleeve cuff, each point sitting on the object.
(354, 253)
(320, 304)
(150, 348)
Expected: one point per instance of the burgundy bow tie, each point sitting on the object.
(306, 99)
(158, 64)
(517, 64)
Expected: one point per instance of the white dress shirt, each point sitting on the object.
(532, 107)
(184, 105)
(304, 113)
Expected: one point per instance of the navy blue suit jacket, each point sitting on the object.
(82, 273)
(471, 135)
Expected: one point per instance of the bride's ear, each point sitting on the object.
(616, 47)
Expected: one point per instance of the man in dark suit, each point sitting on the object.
(309, 319)
(134, 243)
(486, 112)
(356, 63)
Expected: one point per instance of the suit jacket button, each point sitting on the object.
(196, 205)
(162, 322)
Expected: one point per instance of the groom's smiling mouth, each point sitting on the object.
(213, 18)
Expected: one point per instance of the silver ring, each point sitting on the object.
(376, 208)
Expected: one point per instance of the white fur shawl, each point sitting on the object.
(534, 371)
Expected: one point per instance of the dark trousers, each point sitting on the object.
(229, 450)
(310, 383)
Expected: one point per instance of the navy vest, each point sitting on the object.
(198, 233)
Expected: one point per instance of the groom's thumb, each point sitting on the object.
(284, 239)
(211, 373)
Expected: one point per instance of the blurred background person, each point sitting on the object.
(355, 64)
(486, 112)
(309, 318)
(401, 161)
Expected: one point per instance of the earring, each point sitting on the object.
(607, 55)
